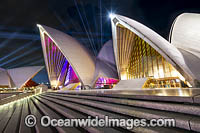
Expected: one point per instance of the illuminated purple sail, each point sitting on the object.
(60, 71)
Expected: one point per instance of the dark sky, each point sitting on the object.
(86, 20)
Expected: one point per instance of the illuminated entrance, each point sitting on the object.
(137, 59)
(105, 83)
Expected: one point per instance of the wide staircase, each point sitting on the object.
(75, 104)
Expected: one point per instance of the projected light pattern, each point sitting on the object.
(71, 76)
(60, 71)
(103, 82)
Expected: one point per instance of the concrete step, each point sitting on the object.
(7, 116)
(14, 122)
(165, 106)
(38, 114)
(168, 95)
(73, 111)
(101, 114)
(65, 105)
(53, 115)
(25, 111)
(182, 121)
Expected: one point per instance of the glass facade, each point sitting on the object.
(143, 61)
(59, 69)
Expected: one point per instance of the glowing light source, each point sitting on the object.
(111, 15)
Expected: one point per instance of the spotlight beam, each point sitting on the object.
(20, 56)
(25, 62)
(18, 35)
(17, 50)
(9, 38)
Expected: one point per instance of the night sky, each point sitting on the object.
(85, 20)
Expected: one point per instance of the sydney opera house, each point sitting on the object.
(136, 76)
(137, 57)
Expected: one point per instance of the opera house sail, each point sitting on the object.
(66, 60)
(140, 53)
(18, 77)
(59, 69)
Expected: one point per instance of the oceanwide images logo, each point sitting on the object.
(90, 121)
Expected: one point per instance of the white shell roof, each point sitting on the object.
(4, 78)
(106, 53)
(105, 62)
(185, 35)
(81, 60)
(22, 75)
(167, 50)
(18, 77)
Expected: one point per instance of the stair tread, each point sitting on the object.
(23, 128)
(132, 111)
(14, 121)
(7, 117)
(38, 115)
(174, 107)
(77, 115)
(53, 115)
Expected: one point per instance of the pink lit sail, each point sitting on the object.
(60, 70)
